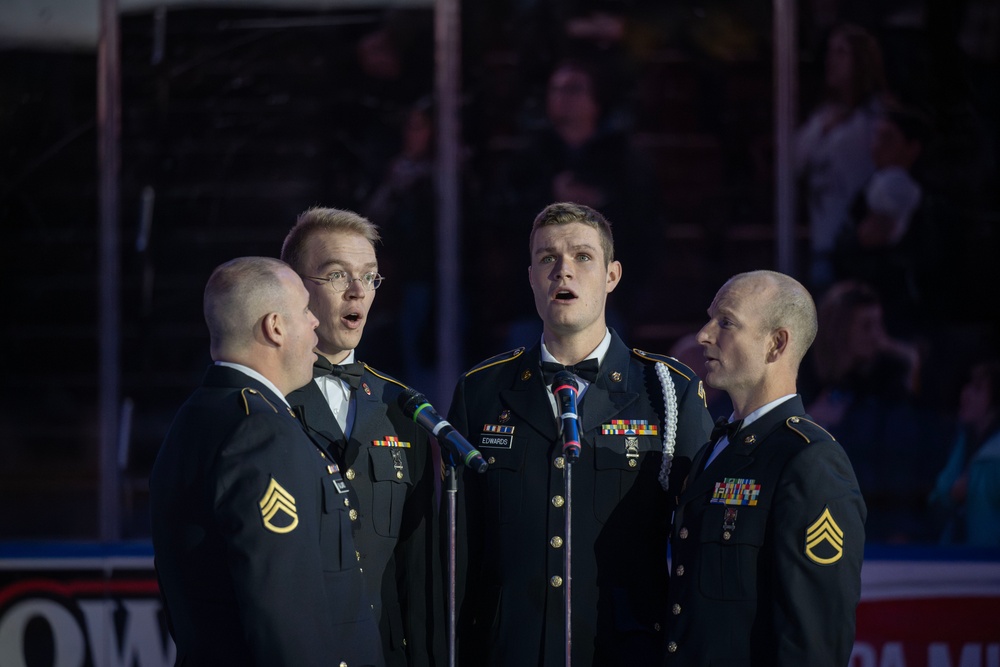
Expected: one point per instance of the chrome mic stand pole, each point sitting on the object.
(452, 493)
(568, 558)
(566, 391)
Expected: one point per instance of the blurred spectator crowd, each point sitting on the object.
(896, 162)
(659, 115)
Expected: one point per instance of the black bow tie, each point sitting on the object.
(349, 373)
(586, 369)
(725, 428)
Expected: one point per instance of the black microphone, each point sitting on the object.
(566, 389)
(416, 406)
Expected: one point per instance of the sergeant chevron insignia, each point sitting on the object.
(824, 539)
(277, 509)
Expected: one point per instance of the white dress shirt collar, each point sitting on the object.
(246, 370)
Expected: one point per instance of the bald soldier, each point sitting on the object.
(768, 534)
(252, 544)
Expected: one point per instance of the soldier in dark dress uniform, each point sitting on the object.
(252, 544)
(769, 533)
(642, 417)
(388, 461)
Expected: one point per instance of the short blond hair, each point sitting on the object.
(318, 219)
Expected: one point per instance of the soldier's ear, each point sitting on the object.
(614, 275)
(272, 329)
(779, 341)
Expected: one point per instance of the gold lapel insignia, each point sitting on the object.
(504, 417)
(526, 375)
(824, 539)
(277, 509)
(750, 439)
(701, 392)
(615, 376)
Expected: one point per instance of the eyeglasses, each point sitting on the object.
(340, 280)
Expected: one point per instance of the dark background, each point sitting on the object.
(248, 117)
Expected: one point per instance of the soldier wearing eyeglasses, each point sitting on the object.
(386, 460)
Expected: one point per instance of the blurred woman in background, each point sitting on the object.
(968, 487)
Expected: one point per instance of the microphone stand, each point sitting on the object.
(451, 492)
(451, 479)
(453, 448)
(570, 456)
(566, 390)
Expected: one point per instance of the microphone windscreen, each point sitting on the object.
(563, 378)
(409, 400)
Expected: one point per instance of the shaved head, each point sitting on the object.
(238, 295)
(785, 303)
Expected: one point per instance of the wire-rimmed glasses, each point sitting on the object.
(341, 280)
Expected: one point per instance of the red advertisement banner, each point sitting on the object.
(69, 611)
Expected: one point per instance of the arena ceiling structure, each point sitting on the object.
(75, 24)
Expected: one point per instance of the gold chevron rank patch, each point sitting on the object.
(824, 539)
(277, 509)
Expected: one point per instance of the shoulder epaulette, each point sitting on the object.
(254, 401)
(671, 363)
(808, 430)
(499, 359)
(383, 376)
